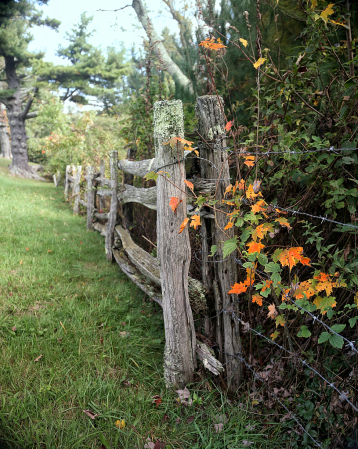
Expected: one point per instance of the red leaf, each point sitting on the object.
(229, 125)
(157, 400)
(159, 445)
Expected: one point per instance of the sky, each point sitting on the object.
(111, 27)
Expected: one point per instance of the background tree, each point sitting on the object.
(16, 17)
(92, 76)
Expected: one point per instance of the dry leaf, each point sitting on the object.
(14, 329)
(272, 311)
(90, 414)
(156, 400)
(38, 358)
(218, 427)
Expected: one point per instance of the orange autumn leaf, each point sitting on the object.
(254, 247)
(285, 293)
(174, 203)
(229, 225)
(262, 230)
(257, 299)
(280, 320)
(292, 256)
(189, 184)
(249, 161)
(228, 189)
(195, 221)
(238, 288)
(229, 125)
(27, 249)
(266, 285)
(258, 207)
(305, 289)
(272, 311)
(241, 185)
(250, 192)
(182, 226)
(283, 222)
(210, 43)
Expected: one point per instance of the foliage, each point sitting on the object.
(62, 139)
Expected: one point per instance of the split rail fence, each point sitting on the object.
(165, 278)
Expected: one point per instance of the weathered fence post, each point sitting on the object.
(76, 189)
(128, 207)
(173, 248)
(90, 196)
(112, 216)
(67, 181)
(219, 276)
(57, 178)
(101, 200)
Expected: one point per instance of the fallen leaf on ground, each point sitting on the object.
(218, 427)
(120, 424)
(156, 400)
(38, 358)
(190, 419)
(90, 414)
(14, 329)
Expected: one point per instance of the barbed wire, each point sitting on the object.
(249, 367)
(304, 362)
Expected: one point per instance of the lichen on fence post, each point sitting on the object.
(173, 248)
(219, 276)
(76, 189)
(90, 196)
(112, 216)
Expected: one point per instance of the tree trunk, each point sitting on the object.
(5, 144)
(171, 67)
(19, 166)
(173, 248)
(211, 123)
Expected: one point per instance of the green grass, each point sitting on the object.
(100, 341)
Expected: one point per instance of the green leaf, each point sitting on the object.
(263, 260)
(272, 268)
(151, 175)
(229, 246)
(245, 235)
(213, 250)
(325, 336)
(336, 341)
(276, 278)
(304, 332)
(352, 321)
(338, 328)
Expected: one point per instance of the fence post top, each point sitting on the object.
(168, 119)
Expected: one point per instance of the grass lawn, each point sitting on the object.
(76, 335)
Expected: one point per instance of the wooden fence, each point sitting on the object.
(165, 278)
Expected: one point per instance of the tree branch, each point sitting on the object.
(32, 114)
(171, 66)
(24, 113)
